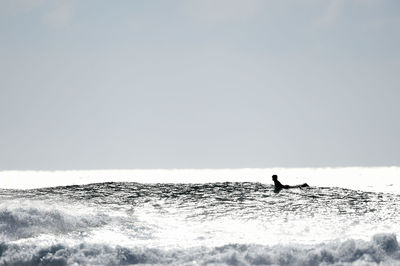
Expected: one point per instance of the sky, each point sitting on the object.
(199, 84)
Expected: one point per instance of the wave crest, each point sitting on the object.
(17, 222)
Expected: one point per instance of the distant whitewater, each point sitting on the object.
(349, 216)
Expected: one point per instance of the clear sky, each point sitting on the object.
(199, 83)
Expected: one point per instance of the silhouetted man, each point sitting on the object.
(279, 186)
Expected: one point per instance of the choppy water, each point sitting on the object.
(213, 223)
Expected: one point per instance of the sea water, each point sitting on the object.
(348, 216)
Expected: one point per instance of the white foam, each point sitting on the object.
(383, 249)
(376, 179)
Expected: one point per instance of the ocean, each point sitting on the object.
(348, 216)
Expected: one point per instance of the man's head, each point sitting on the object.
(274, 177)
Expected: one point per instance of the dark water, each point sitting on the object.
(191, 224)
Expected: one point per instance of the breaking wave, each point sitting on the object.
(196, 224)
(383, 248)
(27, 221)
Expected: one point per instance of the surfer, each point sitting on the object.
(278, 185)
